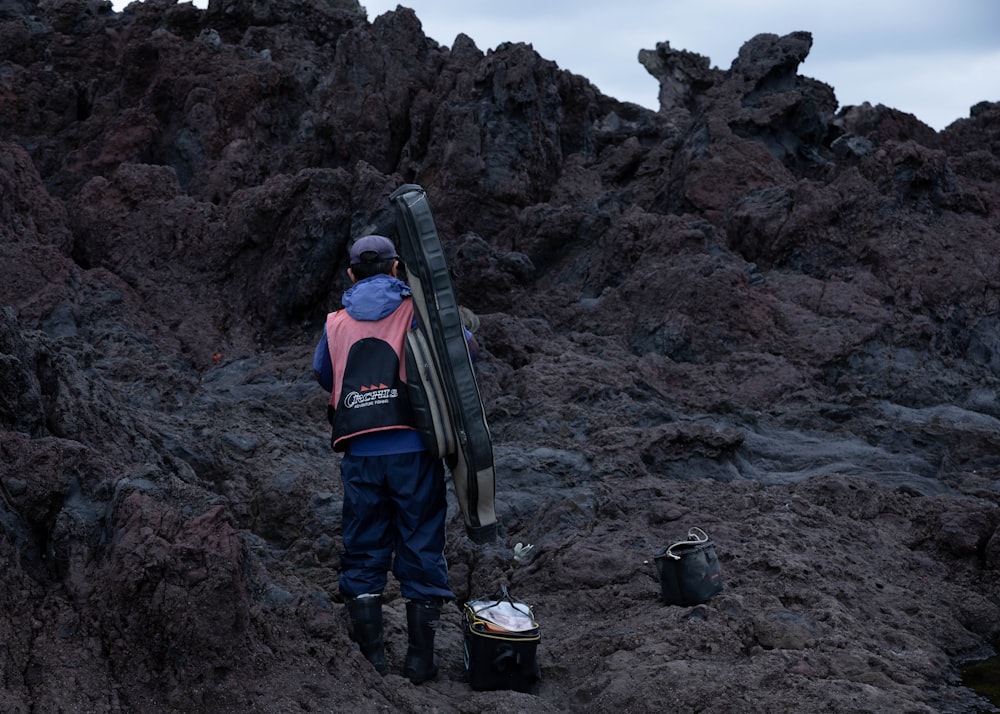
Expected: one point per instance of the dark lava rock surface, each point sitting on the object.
(753, 311)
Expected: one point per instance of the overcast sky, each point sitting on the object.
(931, 58)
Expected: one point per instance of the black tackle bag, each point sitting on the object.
(501, 642)
(689, 570)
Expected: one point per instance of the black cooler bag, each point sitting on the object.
(501, 642)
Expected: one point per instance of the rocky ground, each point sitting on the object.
(754, 311)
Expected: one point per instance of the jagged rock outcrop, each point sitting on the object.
(753, 311)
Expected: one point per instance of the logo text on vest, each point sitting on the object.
(368, 397)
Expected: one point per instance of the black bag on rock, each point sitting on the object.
(689, 570)
(501, 641)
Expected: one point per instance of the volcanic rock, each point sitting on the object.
(753, 311)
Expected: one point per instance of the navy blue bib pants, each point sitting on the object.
(394, 505)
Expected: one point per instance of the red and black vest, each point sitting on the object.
(369, 374)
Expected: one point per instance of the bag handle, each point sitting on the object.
(696, 536)
(521, 607)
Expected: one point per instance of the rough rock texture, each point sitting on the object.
(752, 311)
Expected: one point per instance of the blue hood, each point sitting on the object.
(375, 297)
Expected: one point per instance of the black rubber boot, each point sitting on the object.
(366, 620)
(422, 619)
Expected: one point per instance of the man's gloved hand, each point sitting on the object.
(470, 320)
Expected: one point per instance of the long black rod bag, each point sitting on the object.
(447, 402)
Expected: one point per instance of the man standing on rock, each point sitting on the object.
(394, 490)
